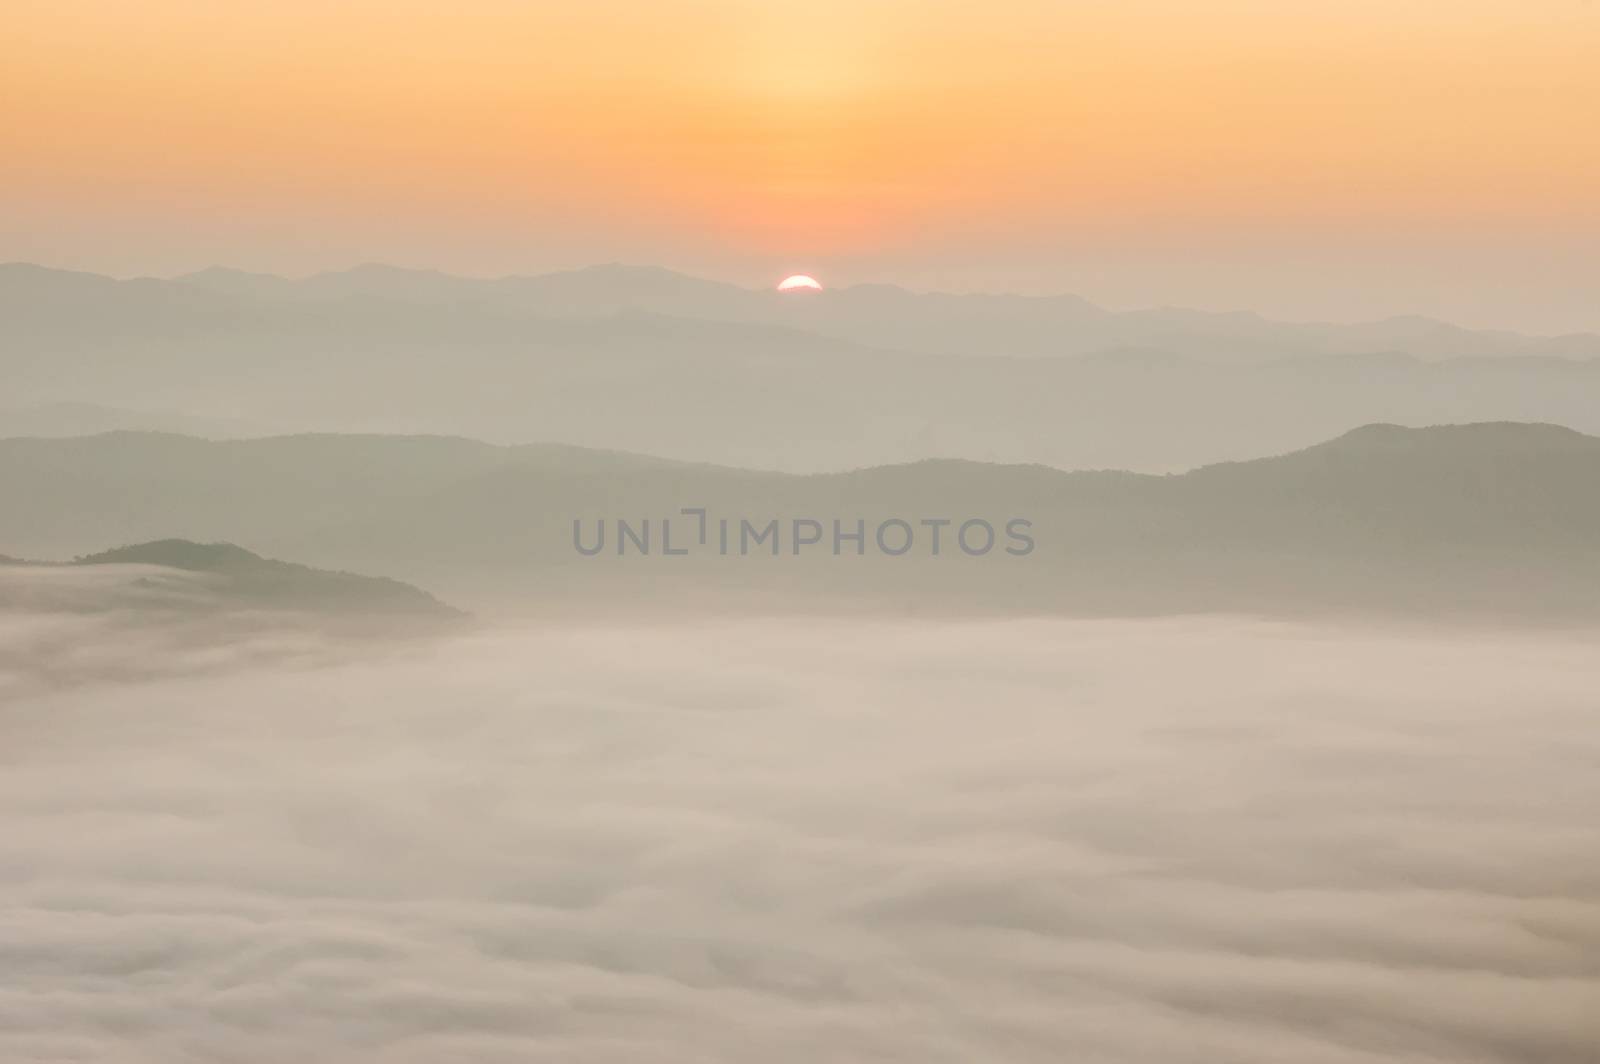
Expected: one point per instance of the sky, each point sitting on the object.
(1324, 160)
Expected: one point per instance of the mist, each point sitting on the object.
(797, 840)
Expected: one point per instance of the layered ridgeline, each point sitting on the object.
(176, 575)
(651, 361)
(1485, 519)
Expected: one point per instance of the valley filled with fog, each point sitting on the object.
(862, 838)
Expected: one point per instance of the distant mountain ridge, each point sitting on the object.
(1488, 438)
(1485, 519)
(869, 314)
(652, 362)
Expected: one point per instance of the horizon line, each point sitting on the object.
(372, 264)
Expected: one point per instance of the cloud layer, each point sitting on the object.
(797, 841)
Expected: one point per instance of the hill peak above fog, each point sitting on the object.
(178, 554)
(244, 578)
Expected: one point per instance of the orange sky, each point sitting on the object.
(1305, 157)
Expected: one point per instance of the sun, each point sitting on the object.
(799, 283)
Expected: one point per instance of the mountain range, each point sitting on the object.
(647, 360)
(1482, 520)
(873, 315)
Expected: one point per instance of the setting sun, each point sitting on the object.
(799, 283)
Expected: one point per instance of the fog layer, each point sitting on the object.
(1041, 840)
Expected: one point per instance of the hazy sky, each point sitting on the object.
(1311, 159)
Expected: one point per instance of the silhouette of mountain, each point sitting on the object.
(137, 486)
(1481, 519)
(870, 314)
(646, 360)
(243, 283)
(236, 579)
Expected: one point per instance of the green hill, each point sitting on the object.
(237, 578)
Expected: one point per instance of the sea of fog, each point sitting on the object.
(794, 840)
